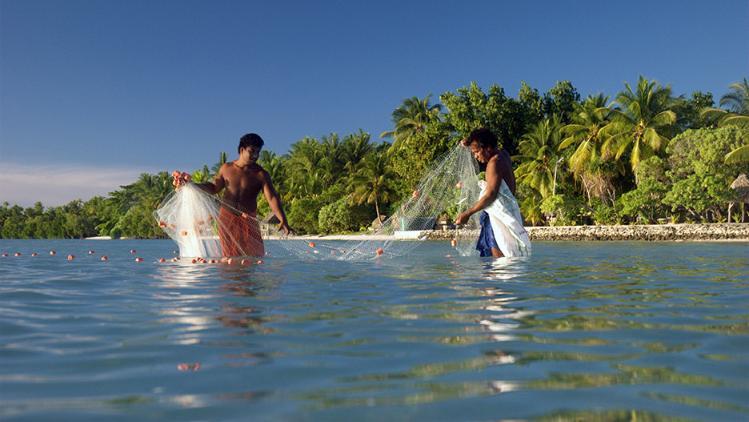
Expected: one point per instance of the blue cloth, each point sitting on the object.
(486, 237)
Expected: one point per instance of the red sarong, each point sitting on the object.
(240, 236)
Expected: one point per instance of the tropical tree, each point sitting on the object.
(411, 119)
(305, 174)
(640, 122)
(540, 158)
(588, 163)
(737, 102)
(374, 183)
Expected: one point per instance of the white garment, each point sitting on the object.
(506, 222)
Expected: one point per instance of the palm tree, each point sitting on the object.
(739, 155)
(639, 124)
(374, 182)
(411, 118)
(540, 157)
(305, 172)
(737, 102)
(588, 161)
(221, 161)
(274, 165)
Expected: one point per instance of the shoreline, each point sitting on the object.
(713, 232)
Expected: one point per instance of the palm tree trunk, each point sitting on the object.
(377, 209)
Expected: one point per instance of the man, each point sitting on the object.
(502, 232)
(242, 180)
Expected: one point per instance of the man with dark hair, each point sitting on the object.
(507, 230)
(242, 180)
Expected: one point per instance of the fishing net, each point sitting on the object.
(205, 227)
(450, 187)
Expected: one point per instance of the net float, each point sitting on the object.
(132, 251)
(91, 252)
(194, 261)
(104, 258)
(259, 261)
(454, 242)
(52, 252)
(138, 259)
(17, 254)
(34, 254)
(71, 257)
(183, 233)
(162, 260)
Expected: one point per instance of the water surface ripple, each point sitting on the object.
(621, 330)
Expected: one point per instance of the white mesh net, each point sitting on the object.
(450, 187)
(204, 226)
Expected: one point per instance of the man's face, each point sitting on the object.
(250, 153)
(479, 153)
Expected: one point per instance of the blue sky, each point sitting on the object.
(103, 90)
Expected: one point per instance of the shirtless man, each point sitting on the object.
(483, 144)
(242, 180)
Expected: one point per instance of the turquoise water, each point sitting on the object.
(581, 330)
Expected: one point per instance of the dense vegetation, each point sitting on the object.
(646, 156)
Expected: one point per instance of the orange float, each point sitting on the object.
(379, 251)
(454, 242)
(162, 260)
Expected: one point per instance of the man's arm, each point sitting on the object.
(493, 181)
(275, 203)
(217, 185)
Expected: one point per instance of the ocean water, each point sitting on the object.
(580, 331)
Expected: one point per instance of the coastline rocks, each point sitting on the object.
(655, 232)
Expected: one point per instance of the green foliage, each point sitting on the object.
(540, 158)
(470, 108)
(604, 214)
(563, 210)
(640, 123)
(701, 180)
(647, 157)
(303, 215)
(561, 101)
(341, 216)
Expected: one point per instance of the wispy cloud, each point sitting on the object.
(53, 185)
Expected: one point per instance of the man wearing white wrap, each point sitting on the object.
(502, 232)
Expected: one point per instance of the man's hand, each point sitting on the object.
(180, 178)
(284, 227)
(462, 218)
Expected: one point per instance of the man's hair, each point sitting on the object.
(250, 140)
(483, 137)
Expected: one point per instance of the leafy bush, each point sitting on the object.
(341, 216)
